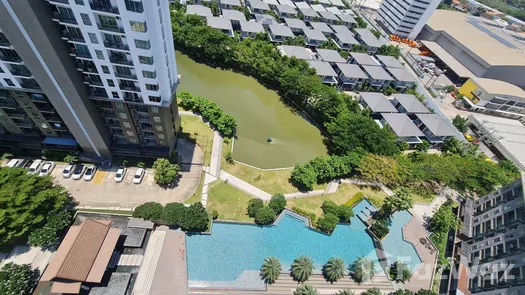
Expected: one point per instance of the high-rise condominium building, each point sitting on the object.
(98, 74)
(406, 18)
(492, 251)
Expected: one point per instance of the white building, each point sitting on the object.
(406, 18)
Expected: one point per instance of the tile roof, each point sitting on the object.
(231, 2)
(286, 9)
(368, 37)
(378, 102)
(287, 2)
(318, 7)
(330, 55)
(252, 27)
(341, 29)
(308, 12)
(265, 19)
(364, 59)
(338, 3)
(328, 15)
(347, 18)
(402, 125)
(351, 71)
(258, 4)
(302, 5)
(233, 14)
(322, 68)
(334, 10)
(436, 125)
(378, 73)
(271, 2)
(410, 103)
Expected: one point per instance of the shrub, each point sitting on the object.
(400, 272)
(229, 158)
(43, 237)
(327, 222)
(165, 172)
(277, 203)
(355, 199)
(173, 213)
(304, 176)
(17, 279)
(425, 292)
(195, 218)
(380, 228)
(305, 213)
(254, 205)
(343, 213)
(215, 214)
(265, 216)
(149, 211)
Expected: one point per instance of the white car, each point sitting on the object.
(137, 179)
(68, 171)
(79, 171)
(121, 173)
(90, 173)
(13, 163)
(35, 167)
(47, 168)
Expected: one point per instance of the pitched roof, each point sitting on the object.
(271, 2)
(347, 18)
(287, 2)
(231, 2)
(219, 23)
(296, 51)
(322, 68)
(328, 15)
(389, 61)
(280, 30)
(368, 37)
(351, 71)
(347, 39)
(84, 253)
(364, 59)
(377, 72)
(308, 12)
(327, 2)
(252, 27)
(334, 10)
(402, 125)
(315, 35)
(198, 10)
(378, 102)
(410, 103)
(401, 74)
(317, 7)
(258, 4)
(338, 3)
(265, 19)
(341, 29)
(330, 55)
(321, 27)
(436, 125)
(286, 9)
(302, 5)
(233, 14)
(295, 23)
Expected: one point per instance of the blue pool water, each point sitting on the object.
(395, 247)
(233, 248)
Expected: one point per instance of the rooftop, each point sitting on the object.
(402, 125)
(330, 55)
(448, 59)
(499, 87)
(378, 102)
(342, 29)
(296, 51)
(233, 14)
(322, 68)
(410, 103)
(302, 5)
(347, 18)
(377, 72)
(286, 9)
(315, 35)
(295, 23)
(490, 44)
(389, 61)
(328, 15)
(401, 74)
(287, 2)
(436, 125)
(368, 38)
(265, 19)
(308, 12)
(364, 59)
(258, 4)
(231, 2)
(252, 27)
(198, 10)
(347, 39)
(334, 10)
(280, 30)
(352, 71)
(271, 2)
(338, 3)
(317, 7)
(320, 26)
(220, 23)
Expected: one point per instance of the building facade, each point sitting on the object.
(406, 18)
(105, 68)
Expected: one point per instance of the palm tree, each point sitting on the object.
(372, 291)
(305, 290)
(334, 269)
(344, 292)
(270, 270)
(401, 200)
(362, 270)
(302, 268)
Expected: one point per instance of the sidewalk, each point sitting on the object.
(244, 186)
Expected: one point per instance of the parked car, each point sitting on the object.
(47, 168)
(90, 173)
(13, 163)
(25, 163)
(79, 171)
(35, 167)
(68, 171)
(137, 179)
(121, 173)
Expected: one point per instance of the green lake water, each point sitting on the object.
(260, 114)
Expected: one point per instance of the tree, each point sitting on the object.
(344, 292)
(26, 202)
(334, 269)
(460, 123)
(327, 222)
(343, 213)
(425, 292)
(390, 50)
(141, 165)
(215, 214)
(403, 292)
(362, 270)
(360, 22)
(304, 176)
(423, 146)
(372, 291)
(443, 220)
(296, 41)
(271, 269)
(508, 166)
(265, 216)
(330, 44)
(70, 158)
(254, 205)
(17, 279)
(453, 146)
(302, 268)
(165, 172)
(400, 272)
(380, 169)
(380, 228)
(173, 213)
(306, 290)
(6, 156)
(401, 200)
(403, 146)
(54, 227)
(376, 33)
(149, 211)
(277, 203)
(195, 219)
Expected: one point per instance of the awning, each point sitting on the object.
(60, 141)
(448, 59)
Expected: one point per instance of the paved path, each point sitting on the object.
(244, 186)
(305, 194)
(361, 182)
(216, 153)
(35, 256)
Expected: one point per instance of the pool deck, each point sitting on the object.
(423, 275)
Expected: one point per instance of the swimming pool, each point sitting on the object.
(236, 249)
(395, 247)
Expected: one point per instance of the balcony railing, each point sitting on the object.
(59, 1)
(129, 87)
(110, 28)
(114, 45)
(64, 19)
(21, 73)
(68, 36)
(11, 58)
(120, 61)
(103, 7)
(5, 43)
(30, 86)
(93, 82)
(126, 76)
(10, 105)
(80, 54)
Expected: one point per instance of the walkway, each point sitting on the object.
(244, 186)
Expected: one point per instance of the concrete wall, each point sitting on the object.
(511, 74)
(39, 44)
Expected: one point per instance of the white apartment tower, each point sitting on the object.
(406, 18)
(123, 58)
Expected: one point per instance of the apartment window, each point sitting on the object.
(143, 44)
(149, 74)
(163, 35)
(152, 87)
(107, 21)
(119, 105)
(111, 83)
(9, 82)
(160, 16)
(93, 38)
(123, 116)
(148, 60)
(79, 2)
(155, 110)
(161, 136)
(115, 95)
(86, 19)
(159, 128)
(135, 6)
(129, 133)
(138, 26)
(154, 98)
(100, 54)
(105, 69)
(156, 119)
(126, 124)
(165, 48)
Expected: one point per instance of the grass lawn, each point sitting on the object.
(272, 182)
(420, 199)
(230, 202)
(344, 193)
(195, 129)
(196, 197)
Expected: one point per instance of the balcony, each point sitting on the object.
(112, 29)
(85, 68)
(93, 82)
(126, 76)
(5, 43)
(11, 58)
(98, 6)
(8, 104)
(21, 73)
(129, 87)
(30, 85)
(98, 94)
(64, 19)
(114, 45)
(67, 36)
(59, 1)
(133, 99)
(80, 54)
(120, 61)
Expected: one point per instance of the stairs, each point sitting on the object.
(149, 265)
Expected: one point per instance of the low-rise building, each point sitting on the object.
(350, 76)
(250, 29)
(287, 2)
(330, 56)
(309, 14)
(302, 5)
(286, 11)
(347, 20)
(329, 17)
(377, 103)
(324, 71)
(317, 7)
(436, 130)
(325, 3)
(403, 127)
(266, 20)
(235, 16)
(378, 78)
(222, 24)
(362, 59)
(320, 26)
(409, 104)
(344, 41)
(296, 25)
(389, 61)
(341, 30)
(202, 11)
(280, 33)
(271, 3)
(334, 10)
(368, 40)
(230, 4)
(296, 51)
(338, 3)
(314, 38)
(403, 79)
(257, 6)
